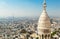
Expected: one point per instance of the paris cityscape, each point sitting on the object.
(14, 28)
(43, 26)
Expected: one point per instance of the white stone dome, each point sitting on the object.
(44, 20)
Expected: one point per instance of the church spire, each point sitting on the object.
(44, 5)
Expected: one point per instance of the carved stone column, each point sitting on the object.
(44, 36)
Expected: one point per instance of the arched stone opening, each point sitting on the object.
(49, 36)
(45, 36)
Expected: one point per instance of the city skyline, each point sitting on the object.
(29, 8)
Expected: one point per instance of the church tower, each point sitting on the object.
(44, 24)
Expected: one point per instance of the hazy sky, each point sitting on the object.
(29, 8)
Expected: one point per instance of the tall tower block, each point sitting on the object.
(44, 24)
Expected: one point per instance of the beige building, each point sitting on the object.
(44, 24)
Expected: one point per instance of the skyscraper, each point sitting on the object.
(44, 24)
